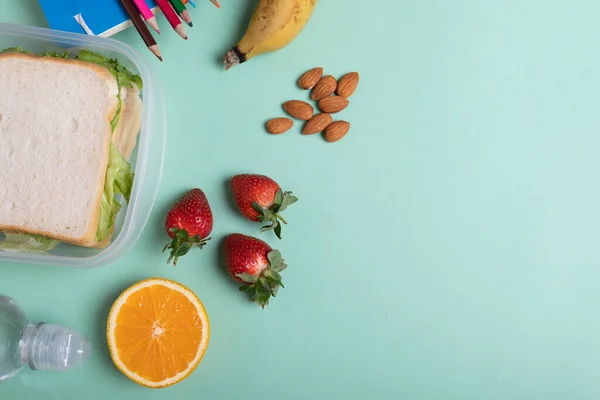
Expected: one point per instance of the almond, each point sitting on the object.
(310, 78)
(316, 124)
(324, 88)
(277, 126)
(336, 130)
(333, 104)
(347, 84)
(299, 109)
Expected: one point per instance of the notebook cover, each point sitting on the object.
(103, 17)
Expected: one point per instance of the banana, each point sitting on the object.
(274, 25)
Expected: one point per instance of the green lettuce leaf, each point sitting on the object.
(122, 74)
(119, 180)
(18, 49)
(115, 121)
(56, 54)
(28, 243)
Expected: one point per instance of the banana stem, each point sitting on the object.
(232, 58)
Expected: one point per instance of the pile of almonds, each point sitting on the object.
(331, 97)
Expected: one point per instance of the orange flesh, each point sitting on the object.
(158, 332)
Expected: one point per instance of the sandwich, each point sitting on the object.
(68, 126)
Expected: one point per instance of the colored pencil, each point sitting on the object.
(141, 28)
(216, 3)
(147, 14)
(182, 11)
(172, 17)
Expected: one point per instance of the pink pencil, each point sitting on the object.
(146, 14)
(172, 17)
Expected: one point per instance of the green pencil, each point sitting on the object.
(182, 11)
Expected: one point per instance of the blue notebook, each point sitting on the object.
(94, 17)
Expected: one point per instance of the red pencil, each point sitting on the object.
(172, 17)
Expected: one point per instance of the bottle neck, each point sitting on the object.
(52, 347)
(26, 347)
(26, 344)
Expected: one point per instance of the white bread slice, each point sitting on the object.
(54, 144)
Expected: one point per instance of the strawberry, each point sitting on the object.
(255, 264)
(259, 198)
(188, 223)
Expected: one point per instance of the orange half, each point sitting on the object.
(157, 332)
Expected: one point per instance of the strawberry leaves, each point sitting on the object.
(262, 292)
(247, 278)
(275, 261)
(272, 215)
(182, 243)
(267, 284)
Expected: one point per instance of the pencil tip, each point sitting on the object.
(191, 24)
(160, 58)
(158, 31)
(185, 38)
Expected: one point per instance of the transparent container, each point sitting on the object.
(146, 160)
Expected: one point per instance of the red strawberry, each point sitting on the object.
(188, 223)
(255, 264)
(259, 198)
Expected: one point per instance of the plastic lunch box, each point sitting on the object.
(146, 160)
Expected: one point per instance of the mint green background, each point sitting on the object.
(447, 248)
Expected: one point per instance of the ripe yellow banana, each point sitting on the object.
(274, 25)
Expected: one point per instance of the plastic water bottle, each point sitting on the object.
(41, 346)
